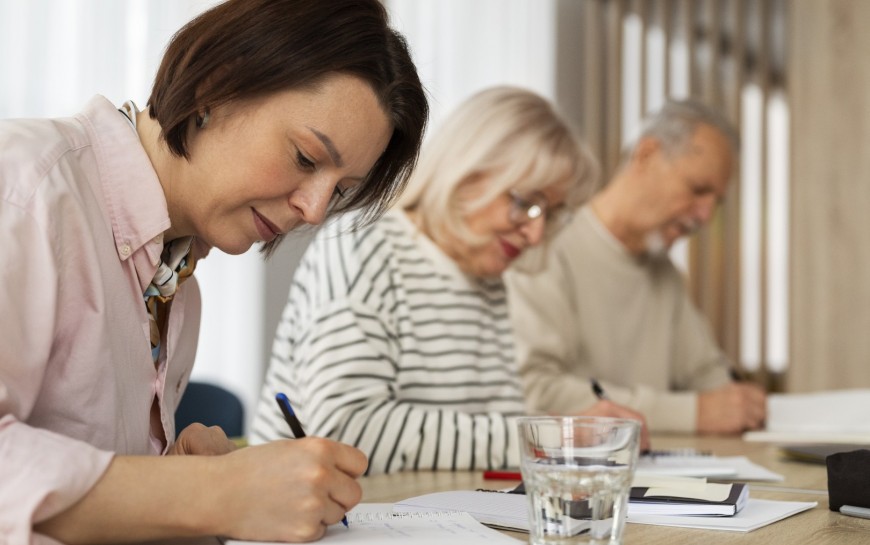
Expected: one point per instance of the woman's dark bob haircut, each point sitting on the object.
(247, 49)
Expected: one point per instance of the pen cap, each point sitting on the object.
(849, 479)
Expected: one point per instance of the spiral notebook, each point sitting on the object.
(375, 523)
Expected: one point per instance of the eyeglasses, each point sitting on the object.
(527, 208)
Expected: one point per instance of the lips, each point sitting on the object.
(509, 249)
(267, 230)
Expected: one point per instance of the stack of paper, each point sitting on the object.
(822, 417)
(756, 514)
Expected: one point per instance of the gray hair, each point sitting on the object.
(675, 123)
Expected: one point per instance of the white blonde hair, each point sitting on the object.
(514, 138)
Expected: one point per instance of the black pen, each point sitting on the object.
(295, 425)
(599, 392)
(597, 389)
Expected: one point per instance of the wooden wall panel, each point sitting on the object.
(829, 80)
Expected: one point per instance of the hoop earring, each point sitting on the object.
(202, 120)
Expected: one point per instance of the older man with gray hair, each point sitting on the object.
(612, 311)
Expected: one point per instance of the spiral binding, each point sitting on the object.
(406, 515)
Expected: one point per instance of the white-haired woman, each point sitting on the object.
(396, 337)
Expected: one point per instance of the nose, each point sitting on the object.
(311, 200)
(705, 209)
(533, 230)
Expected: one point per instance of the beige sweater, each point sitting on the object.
(597, 311)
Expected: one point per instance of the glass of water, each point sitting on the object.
(577, 472)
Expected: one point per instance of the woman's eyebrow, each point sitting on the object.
(330, 147)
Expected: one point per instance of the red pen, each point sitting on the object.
(503, 474)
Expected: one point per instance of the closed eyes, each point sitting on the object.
(304, 162)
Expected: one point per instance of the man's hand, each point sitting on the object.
(605, 407)
(733, 408)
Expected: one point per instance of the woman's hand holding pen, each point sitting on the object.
(287, 490)
(605, 407)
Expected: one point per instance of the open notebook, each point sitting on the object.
(374, 523)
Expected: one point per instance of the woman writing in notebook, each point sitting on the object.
(396, 337)
(264, 115)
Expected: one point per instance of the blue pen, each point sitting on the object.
(295, 425)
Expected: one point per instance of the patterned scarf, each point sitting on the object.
(176, 265)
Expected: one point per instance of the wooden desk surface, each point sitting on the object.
(816, 526)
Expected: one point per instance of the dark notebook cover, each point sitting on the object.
(677, 505)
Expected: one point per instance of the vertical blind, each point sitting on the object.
(731, 55)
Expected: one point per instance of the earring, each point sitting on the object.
(202, 120)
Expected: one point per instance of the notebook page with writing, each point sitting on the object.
(493, 508)
(379, 524)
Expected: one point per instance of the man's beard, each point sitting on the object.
(655, 244)
(655, 240)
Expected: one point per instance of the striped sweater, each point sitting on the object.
(386, 345)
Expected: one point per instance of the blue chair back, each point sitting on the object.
(211, 405)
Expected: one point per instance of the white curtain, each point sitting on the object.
(54, 56)
(463, 46)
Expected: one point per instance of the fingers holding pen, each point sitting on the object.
(732, 408)
(290, 490)
(755, 401)
(605, 407)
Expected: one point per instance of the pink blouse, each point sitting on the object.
(81, 220)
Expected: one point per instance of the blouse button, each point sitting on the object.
(125, 250)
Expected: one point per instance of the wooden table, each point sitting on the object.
(803, 482)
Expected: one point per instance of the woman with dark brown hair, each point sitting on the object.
(265, 115)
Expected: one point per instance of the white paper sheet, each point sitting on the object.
(736, 468)
(756, 514)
